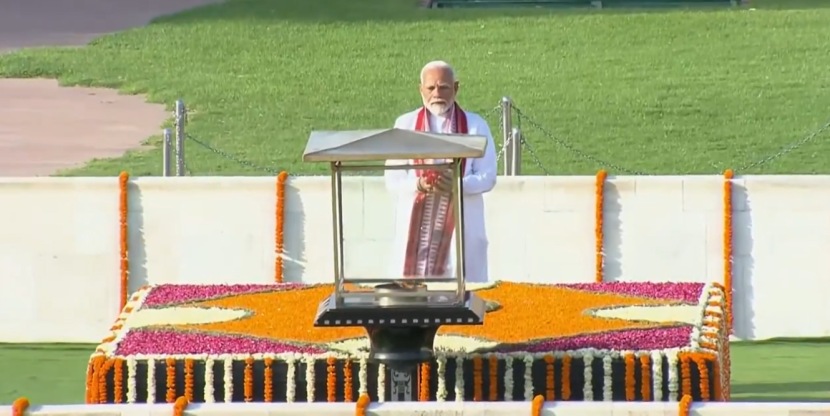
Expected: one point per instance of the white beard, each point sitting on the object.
(438, 109)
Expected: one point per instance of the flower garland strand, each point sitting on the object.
(118, 381)
(704, 377)
(180, 406)
(269, 380)
(598, 230)
(684, 406)
(536, 406)
(19, 406)
(248, 380)
(566, 377)
(493, 366)
(279, 235)
(170, 381)
(362, 404)
(549, 379)
(348, 382)
(630, 379)
(423, 388)
(727, 243)
(477, 382)
(188, 379)
(645, 371)
(331, 379)
(123, 182)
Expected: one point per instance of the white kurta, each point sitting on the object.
(479, 178)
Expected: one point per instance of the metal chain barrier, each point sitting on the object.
(786, 149)
(180, 115)
(565, 145)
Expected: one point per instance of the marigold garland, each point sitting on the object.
(180, 406)
(477, 382)
(704, 377)
(493, 367)
(90, 370)
(566, 377)
(248, 380)
(423, 383)
(727, 243)
(171, 380)
(269, 380)
(118, 381)
(685, 405)
(123, 182)
(536, 406)
(362, 404)
(645, 372)
(686, 374)
(549, 378)
(630, 379)
(331, 379)
(598, 230)
(19, 406)
(279, 235)
(347, 381)
(102, 381)
(188, 379)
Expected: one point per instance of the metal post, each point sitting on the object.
(181, 119)
(166, 149)
(516, 152)
(507, 128)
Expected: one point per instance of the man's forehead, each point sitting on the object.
(438, 76)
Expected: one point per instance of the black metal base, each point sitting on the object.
(470, 313)
(401, 337)
(401, 348)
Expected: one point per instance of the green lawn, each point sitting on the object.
(652, 91)
(763, 371)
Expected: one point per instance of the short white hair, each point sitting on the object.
(437, 65)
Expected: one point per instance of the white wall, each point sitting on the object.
(436, 409)
(59, 266)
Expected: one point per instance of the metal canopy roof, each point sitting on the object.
(376, 145)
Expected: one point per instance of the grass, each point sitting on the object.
(654, 91)
(762, 371)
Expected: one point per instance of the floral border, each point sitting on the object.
(703, 337)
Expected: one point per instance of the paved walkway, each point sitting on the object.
(44, 128)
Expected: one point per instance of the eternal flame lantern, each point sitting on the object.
(401, 314)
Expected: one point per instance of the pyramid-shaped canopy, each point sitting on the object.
(377, 145)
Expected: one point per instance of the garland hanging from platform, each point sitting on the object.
(684, 406)
(599, 189)
(19, 406)
(537, 405)
(362, 405)
(727, 243)
(180, 406)
(123, 183)
(279, 235)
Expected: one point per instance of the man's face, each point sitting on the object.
(438, 90)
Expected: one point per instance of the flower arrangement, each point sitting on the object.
(279, 234)
(599, 202)
(123, 209)
(599, 341)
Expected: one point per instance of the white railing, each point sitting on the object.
(435, 409)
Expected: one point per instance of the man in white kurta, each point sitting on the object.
(424, 238)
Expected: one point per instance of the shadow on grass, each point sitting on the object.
(339, 11)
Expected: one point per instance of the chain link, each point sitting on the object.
(231, 157)
(569, 147)
(787, 149)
